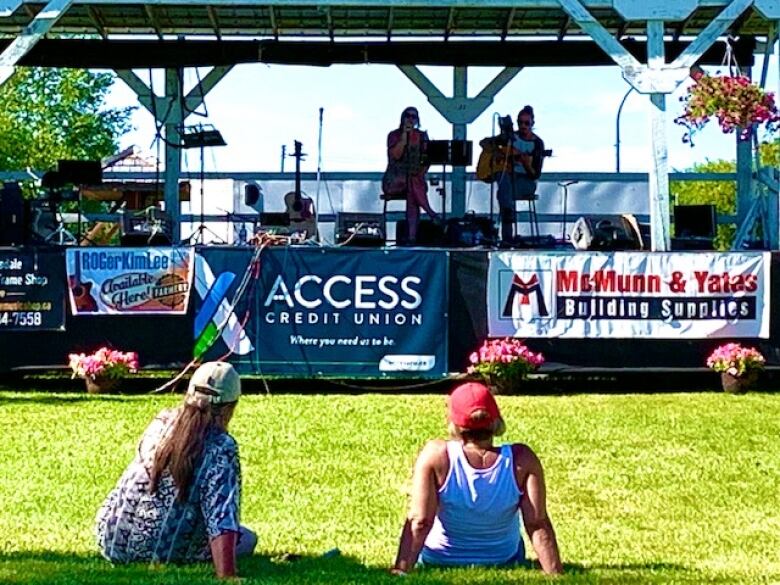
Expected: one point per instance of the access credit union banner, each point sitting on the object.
(629, 295)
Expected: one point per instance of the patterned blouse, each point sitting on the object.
(135, 525)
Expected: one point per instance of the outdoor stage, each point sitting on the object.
(307, 311)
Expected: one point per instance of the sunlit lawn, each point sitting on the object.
(642, 488)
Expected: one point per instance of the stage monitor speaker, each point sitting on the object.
(605, 232)
(251, 194)
(695, 221)
(12, 215)
(80, 172)
(360, 229)
(428, 233)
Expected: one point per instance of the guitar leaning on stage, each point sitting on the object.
(300, 208)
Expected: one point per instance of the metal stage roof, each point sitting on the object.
(326, 19)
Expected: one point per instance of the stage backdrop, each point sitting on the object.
(629, 295)
(318, 311)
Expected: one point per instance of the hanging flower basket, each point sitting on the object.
(733, 100)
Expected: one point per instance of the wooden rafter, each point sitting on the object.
(510, 18)
(214, 19)
(152, 16)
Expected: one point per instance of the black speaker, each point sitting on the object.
(251, 194)
(12, 215)
(80, 172)
(695, 221)
(605, 232)
(428, 233)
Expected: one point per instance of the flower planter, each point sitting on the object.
(738, 384)
(100, 384)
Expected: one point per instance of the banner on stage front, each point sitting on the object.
(354, 312)
(136, 281)
(629, 295)
(32, 290)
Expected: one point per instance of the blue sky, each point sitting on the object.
(258, 108)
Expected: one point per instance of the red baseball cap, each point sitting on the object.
(467, 399)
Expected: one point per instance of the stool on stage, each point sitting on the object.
(387, 198)
(533, 219)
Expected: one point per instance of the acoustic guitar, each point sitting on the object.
(495, 158)
(299, 208)
(81, 291)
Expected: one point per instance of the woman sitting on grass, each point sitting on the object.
(467, 495)
(178, 500)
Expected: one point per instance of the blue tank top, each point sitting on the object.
(478, 520)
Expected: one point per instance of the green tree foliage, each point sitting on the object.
(721, 194)
(51, 114)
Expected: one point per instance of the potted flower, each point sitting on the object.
(736, 102)
(503, 363)
(738, 366)
(103, 369)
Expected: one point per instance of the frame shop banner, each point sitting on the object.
(629, 295)
(132, 281)
(32, 291)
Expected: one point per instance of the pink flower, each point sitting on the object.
(104, 362)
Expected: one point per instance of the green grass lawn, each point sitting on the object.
(671, 488)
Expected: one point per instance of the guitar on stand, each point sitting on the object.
(303, 217)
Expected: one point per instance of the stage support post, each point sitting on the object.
(173, 125)
(659, 173)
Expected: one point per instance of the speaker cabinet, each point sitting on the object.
(605, 232)
(13, 218)
(428, 233)
(695, 221)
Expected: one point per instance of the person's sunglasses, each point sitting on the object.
(523, 123)
(410, 115)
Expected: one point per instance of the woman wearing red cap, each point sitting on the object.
(468, 494)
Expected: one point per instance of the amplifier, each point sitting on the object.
(360, 229)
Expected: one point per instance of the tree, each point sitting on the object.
(51, 114)
(721, 194)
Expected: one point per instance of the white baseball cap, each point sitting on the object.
(216, 383)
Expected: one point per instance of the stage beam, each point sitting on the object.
(31, 34)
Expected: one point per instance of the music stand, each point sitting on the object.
(456, 153)
(200, 136)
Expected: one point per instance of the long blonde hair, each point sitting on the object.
(183, 444)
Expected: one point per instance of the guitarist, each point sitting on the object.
(406, 168)
(517, 178)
